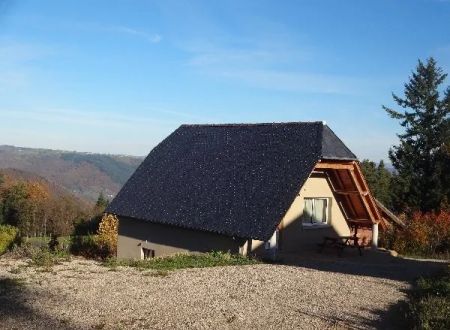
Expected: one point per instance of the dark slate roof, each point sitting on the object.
(333, 147)
(238, 180)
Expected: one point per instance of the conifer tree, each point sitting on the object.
(102, 202)
(379, 180)
(422, 159)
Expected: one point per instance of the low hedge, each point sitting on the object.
(88, 247)
(8, 235)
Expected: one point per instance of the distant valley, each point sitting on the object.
(83, 174)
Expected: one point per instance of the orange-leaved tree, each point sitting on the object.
(108, 234)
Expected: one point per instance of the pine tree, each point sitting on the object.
(421, 160)
(102, 202)
(379, 180)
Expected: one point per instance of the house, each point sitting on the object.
(244, 188)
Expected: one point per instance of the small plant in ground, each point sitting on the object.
(180, 261)
(16, 270)
(160, 273)
(45, 259)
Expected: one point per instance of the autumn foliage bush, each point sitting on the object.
(426, 234)
(107, 235)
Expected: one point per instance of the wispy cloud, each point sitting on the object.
(245, 54)
(13, 79)
(150, 37)
(18, 52)
(270, 66)
(93, 27)
(84, 118)
(295, 81)
(16, 70)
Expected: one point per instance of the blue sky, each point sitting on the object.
(119, 76)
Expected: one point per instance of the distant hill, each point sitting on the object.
(83, 174)
(11, 176)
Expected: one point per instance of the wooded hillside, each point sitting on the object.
(83, 174)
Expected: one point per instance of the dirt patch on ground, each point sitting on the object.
(84, 294)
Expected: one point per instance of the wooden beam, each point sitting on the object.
(389, 214)
(334, 166)
(359, 220)
(345, 202)
(363, 198)
(350, 192)
(373, 204)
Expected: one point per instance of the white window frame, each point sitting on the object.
(327, 213)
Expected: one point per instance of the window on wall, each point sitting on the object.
(315, 212)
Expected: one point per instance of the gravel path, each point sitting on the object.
(84, 294)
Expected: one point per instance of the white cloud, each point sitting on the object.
(17, 52)
(84, 118)
(295, 81)
(273, 66)
(13, 79)
(150, 37)
(17, 62)
(244, 54)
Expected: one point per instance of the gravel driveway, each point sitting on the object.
(84, 294)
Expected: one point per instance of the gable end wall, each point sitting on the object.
(293, 236)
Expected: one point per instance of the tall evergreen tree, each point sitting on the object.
(379, 180)
(102, 202)
(421, 159)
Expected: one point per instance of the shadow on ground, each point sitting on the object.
(378, 264)
(15, 313)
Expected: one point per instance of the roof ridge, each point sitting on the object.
(253, 124)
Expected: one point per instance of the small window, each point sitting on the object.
(315, 212)
(147, 253)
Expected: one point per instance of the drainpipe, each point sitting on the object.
(375, 236)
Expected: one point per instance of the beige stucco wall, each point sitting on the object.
(296, 237)
(166, 240)
(293, 237)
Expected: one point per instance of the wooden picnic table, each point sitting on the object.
(340, 243)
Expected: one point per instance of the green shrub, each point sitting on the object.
(88, 247)
(429, 303)
(8, 235)
(25, 249)
(179, 261)
(45, 258)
